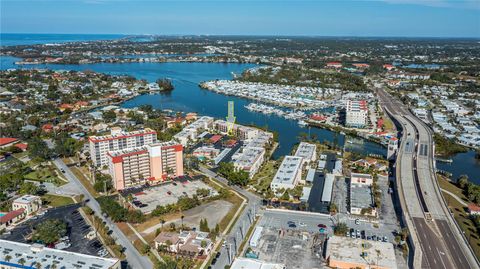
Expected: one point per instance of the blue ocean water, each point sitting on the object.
(188, 97)
(12, 39)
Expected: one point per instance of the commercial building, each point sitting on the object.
(30, 203)
(356, 113)
(246, 263)
(185, 242)
(361, 197)
(288, 174)
(346, 253)
(249, 159)
(118, 140)
(28, 256)
(151, 163)
(364, 179)
(307, 151)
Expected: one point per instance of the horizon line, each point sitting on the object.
(252, 35)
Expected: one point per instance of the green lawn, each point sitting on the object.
(45, 175)
(264, 177)
(56, 200)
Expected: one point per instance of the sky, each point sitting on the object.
(403, 18)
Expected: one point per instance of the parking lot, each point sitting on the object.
(147, 199)
(77, 229)
(293, 248)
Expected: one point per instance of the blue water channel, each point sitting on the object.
(188, 97)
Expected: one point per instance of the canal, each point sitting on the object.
(188, 97)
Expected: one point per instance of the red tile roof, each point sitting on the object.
(473, 208)
(11, 215)
(21, 146)
(7, 140)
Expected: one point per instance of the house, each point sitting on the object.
(64, 107)
(22, 146)
(47, 128)
(334, 65)
(388, 67)
(30, 203)
(185, 243)
(6, 142)
(473, 209)
(12, 217)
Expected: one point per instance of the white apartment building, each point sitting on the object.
(249, 159)
(118, 140)
(288, 174)
(31, 203)
(191, 132)
(307, 151)
(356, 113)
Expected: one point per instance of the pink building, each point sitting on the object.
(151, 163)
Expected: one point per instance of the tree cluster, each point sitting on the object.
(239, 177)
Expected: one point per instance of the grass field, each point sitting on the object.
(45, 175)
(264, 177)
(56, 200)
(460, 213)
(81, 176)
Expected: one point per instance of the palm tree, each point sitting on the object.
(22, 261)
(162, 221)
(8, 258)
(38, 265)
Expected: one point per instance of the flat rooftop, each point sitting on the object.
(26, 199)
(360, 196)
(246, 263)
(288, 170)
(122, 134)
(350, 250)
(306, 150)
(63, 259)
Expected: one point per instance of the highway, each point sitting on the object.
(134, 258)
(438, 242)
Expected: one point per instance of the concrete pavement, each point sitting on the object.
(241, 226)
(134, 258)
(436, 239)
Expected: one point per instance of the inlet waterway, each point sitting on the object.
(189, 97)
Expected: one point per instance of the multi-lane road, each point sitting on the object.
(437, 241)
(133, 257)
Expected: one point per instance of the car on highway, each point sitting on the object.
(302, 224)
(321, 226)
(292, 225)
